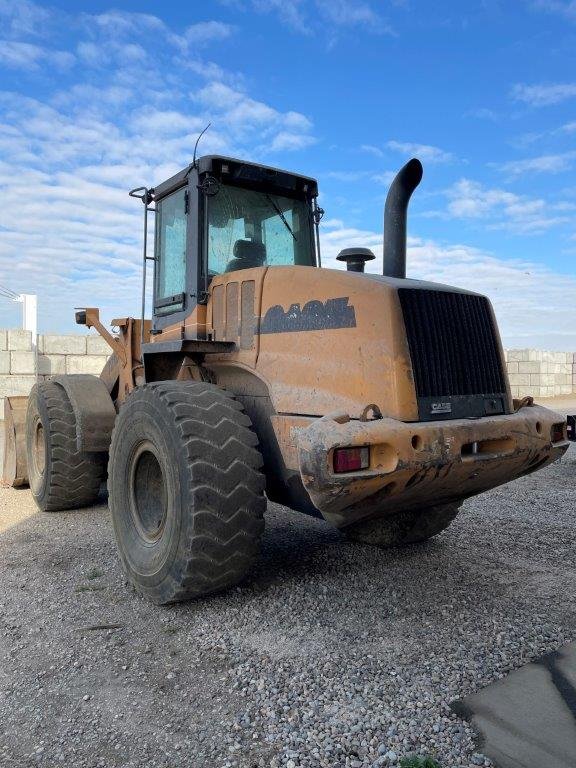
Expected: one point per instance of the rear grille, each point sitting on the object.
(454, 351)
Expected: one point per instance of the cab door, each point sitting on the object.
(171, 300)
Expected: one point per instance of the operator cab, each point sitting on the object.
(220, 215)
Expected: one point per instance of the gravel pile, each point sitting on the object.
(331, 654)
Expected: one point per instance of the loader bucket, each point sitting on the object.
(15, 467)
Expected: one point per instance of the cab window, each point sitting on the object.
(170, 253)
(247, 229)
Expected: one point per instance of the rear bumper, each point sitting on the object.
(422, 464)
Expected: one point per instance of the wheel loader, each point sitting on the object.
(378, 402)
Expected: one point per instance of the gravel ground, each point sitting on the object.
(331, 654)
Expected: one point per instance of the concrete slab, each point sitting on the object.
(49, 365)
(95, 345)
(51, 344)
(564, 404)
(19, 340)
(528, 719)
(22, 363)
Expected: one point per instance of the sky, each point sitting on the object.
(97, 98)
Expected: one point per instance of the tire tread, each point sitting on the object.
(75, 477)
(225, 485)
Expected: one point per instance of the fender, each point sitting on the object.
(93, 408)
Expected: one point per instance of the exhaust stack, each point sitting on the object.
(397, 199)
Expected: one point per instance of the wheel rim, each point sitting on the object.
(148, 498)
(39, 447)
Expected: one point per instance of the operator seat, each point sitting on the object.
(247, 253)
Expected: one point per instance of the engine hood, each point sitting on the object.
(334, 341)
(324, 341)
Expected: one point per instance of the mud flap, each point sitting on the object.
(14, 466)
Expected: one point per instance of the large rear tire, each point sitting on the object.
(60, 476)
(408, 527)
(186, 492)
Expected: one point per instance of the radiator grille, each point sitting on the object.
(453, 344)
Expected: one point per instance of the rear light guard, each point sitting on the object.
(352, 458)
(383, 458)
(377, 458)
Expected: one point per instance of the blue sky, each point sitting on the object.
(97, 98)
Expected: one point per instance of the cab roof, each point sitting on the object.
(240, 171)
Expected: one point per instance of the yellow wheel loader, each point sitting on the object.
(378, 402)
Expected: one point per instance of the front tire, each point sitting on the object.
(407, 527)
(60, 476)
(186, 492)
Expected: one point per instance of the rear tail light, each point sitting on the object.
(558, 432)
(351, 459)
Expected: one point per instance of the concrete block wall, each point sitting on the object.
(532, 371)
(540, 373)
(21, 365)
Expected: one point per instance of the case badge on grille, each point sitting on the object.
(441, 408)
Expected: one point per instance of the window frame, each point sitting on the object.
(256, 187)
(197, 281)
(161, 320)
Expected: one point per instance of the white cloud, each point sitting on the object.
(69, 230)
(244, 116)
(164, 122)
(529, 139)
(125, 23)
(543, 164)
(67, 162)
(297, 121)
(209, 71)
(386, 178)
(21, 17)
(201, 34)
(104, 52)
(529, 299)
(113, 37)
(29, 56)
(104, 97)
(502, 209)
(566, 9)
(348, 13)
(328, 16)
(370, 149)
(121, 38)
(544, 94)
(218, 95)
(284, 141)
(206, 31)
(290, 12)
(424, 152)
